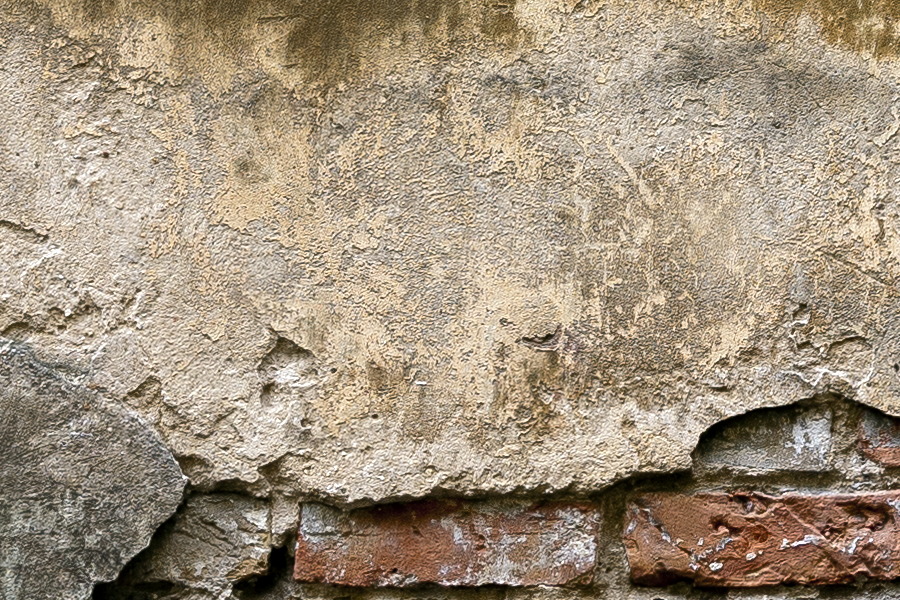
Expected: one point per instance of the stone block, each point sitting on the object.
(214, 542)
(772, 439)
(84, 483)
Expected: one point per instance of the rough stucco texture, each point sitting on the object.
(354, 251)
(364, 250)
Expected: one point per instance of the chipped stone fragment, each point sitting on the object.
(83, 483)
(215, 541)
(752, 540)
(450, 543)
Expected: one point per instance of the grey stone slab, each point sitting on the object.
(83, 483)
(778, 439)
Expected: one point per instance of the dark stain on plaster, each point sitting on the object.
(249, 171)
(404, 392)
(98, 10)
(329, 37)
(862, 25)
(386, 381)
(498, 21)
(325, 39)
(530, 387)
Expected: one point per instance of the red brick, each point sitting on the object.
(749, 540)
(451, 543)
(879, 438)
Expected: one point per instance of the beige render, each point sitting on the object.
(359, 251)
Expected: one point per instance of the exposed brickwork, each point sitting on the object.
(879, 438)
(450, 543)
(752, 540)
(713, 539)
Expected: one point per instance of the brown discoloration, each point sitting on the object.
(534, 384)
(452, 543)
(531, 406)
(751, 540)
(862, 25)
(386, 382)
(498, 20)
(327, 39)
(539, 376)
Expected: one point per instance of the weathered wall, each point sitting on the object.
(361, 251)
